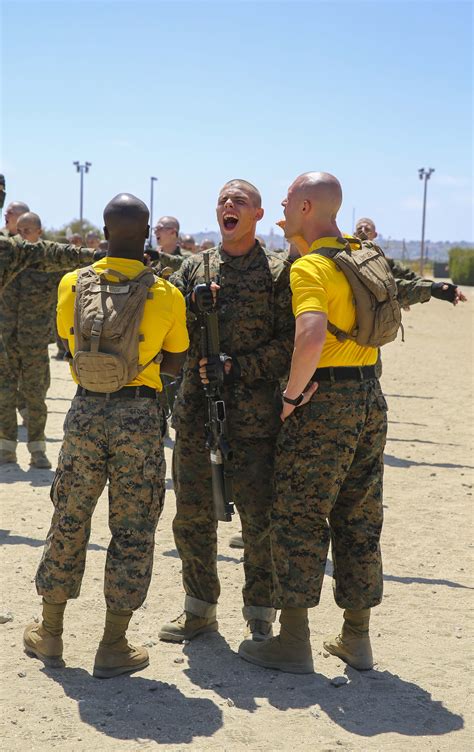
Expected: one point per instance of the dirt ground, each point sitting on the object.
(201, 695)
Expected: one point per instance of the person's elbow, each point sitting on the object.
(172, 363)
(311, 329)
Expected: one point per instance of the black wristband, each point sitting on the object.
(294, 402)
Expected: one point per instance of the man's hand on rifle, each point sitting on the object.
(203, 298)
(218, 369)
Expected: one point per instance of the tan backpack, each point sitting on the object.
(378, 314)
(107, 318)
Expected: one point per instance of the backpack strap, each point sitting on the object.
(331, 253)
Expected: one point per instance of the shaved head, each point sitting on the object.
(311, 208)
(248, 188)
(366, 226)
(125, 214)
(14, 210)
(29, 227)
(126, 225)
(322, 189)
(17, 207)
(168, 223)
(30, 218)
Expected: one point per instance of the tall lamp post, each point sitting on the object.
(424, 175)
(152, 182)
(82, 168)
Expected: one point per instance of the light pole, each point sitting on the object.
(82, 168)
(152, 182)
(424, 175)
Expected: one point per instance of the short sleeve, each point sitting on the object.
(309, 286)
(176, 339)
(65, 308)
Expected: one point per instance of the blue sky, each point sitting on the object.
(199, 92)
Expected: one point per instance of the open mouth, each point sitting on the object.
(230, 221)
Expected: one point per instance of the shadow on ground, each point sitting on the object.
(132, 707)
(371, 703)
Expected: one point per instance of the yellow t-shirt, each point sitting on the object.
(318, 285)
(163, 325)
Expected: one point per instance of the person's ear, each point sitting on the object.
(106, 233)
(259, 214)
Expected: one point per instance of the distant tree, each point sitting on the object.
(461, 265)
(70, 228)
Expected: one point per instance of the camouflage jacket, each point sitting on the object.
(411, 288)
(256, 326)
(171, 260)
(47, 256)
(27, 309)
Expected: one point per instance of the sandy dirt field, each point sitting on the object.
(201, 695)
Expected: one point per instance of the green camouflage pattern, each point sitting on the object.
(171, 260)
(194, 526)
(47, 256)
(27, 311)
(410, 287)
(256, 325)
(119, 441)
(328, 479)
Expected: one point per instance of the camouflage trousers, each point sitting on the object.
(328, 476)
(28, 367)
(195, 529)
(118, 440)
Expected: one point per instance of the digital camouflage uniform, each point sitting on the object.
(329, 471)
(26, 316)
(256, 326)
(15, 256)
(411, 287)
(117, 440)
(171, 260)
(47, 256)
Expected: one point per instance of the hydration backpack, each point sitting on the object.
(378, 314)
(107, 318)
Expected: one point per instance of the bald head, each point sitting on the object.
(252, 192)
(322, 190)
(311, 207)
(126, 225)
(29, 227)
(14, 210)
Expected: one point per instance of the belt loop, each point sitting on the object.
(332, 375)
(107, 397)
(361, 373)
(137, 392)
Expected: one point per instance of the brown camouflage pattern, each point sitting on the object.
(27, 310)
(256, 325)
(194, 526)
(47, 256)
(328, 478)
(119, 441)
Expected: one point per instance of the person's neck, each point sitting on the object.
(132, 254)
(239, 247)
(318, 231)
(169, 249)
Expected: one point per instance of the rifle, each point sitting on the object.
(220, 452)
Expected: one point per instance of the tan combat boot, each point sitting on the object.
(259, 630)
(43, 640)
(290, 651)
(115, 655)
(186, 627)
(353, 643)
(39, 460)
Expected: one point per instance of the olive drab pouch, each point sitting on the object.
(378, 314)
(108, 311)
